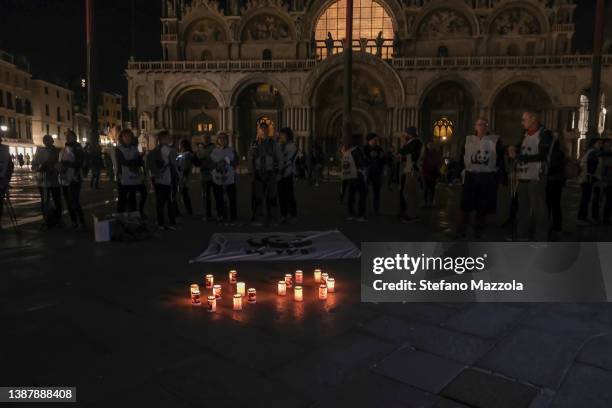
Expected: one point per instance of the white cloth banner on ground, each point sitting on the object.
(279, 246)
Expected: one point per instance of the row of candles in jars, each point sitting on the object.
(326, 283)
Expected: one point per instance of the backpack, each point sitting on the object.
(155, 162)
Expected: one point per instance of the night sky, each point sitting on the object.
(50, 33)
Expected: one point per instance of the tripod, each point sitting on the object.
(9, 209)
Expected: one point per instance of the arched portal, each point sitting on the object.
(510, 104)
(257, 103)
(447, 114)
(196, 113)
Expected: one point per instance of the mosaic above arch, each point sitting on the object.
(515, 21)
(265, 27)
(444, 23)
(206, 31)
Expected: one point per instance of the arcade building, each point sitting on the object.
(434, 64)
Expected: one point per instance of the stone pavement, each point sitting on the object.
(115, 321)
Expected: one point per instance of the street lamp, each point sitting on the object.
(3, 128)
(54, 136)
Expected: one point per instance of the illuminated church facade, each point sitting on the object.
(434, 64)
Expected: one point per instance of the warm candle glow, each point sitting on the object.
(322, 292)
(233, 275)
(209, 281)
(324, 277)
(317, 275)
(195, 294)
(298, 295)
(331, 285)
(289, 280)
(299, 277)
(282, 288)
(252, 295)
(212, 304)
(237, 302)
(217, 291)
(240, 288)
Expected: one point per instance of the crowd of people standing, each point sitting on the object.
(535, 171)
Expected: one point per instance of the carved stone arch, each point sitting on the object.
(470, 86)
(456, 6)
(259, 79)
(389, 78)
(197, 16)
(316, 9)
(536, 11)
(276, 12)
(551, 91)
(179, 87)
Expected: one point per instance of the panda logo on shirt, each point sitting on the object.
(481, 157)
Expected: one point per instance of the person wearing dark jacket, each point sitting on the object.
(6, 171)
(130, 174)
(375, 158)
(432, 161)
(354, 168)
(605, 179)
(482, 160)
(532, 160)
(555, 183)
(409, 156)
(588, 179)
(286, 193)
(202, 159)
(184, 165)
(71, 162)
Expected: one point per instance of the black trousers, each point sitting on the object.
(164, 202)
(357, 187)
(608, 207)
(45, 198)
(430, 192)
(3, 193)
(554, 189)
(127, 197)
(72, 195)
(265, 197)
(221, 193)
(207, 196)
(186, 194)
(286, 197)
(95, 178)
(585, 199)
(375, 181)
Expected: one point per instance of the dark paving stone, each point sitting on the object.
(418, 369)
(436, 340)
(534, 356)
(489, 320)
(430, 313)
(446, 403)
(333, 364)
(579, 328)
(597, 352)
(373, 391)
(585, 386)
(479, 389)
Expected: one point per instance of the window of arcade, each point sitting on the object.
(443, 129)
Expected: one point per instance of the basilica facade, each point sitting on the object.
(434, 64)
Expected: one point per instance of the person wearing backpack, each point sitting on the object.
(129, 170)
(224, 179)
(532, 161)
(286, 193)
(70, 164)
(555, 183)
(161, 163)
(202, 159)
(264, 161)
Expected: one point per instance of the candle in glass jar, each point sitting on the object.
(323, 292)
(233, 275)
(252, 295)
(331, 285)
(212, 304)
(324, 277)
(217, 291)
(317, 275)
(237, 302)
(240, 288)
(289, 280)
(299, 277)
(298, 295)
(282, 288)
(209, 281)
(194, 290)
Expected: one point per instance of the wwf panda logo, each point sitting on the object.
(481, 157)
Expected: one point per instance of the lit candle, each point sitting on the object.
(252, 295)
(322, 292)
(237, 302)
(297, 292)
(317, 275)
(195, 294)
(217, 291)
(212, 304)
(331, 285)
(233, 274)
(324, 277)
(209, 281)
(282, 288)
(240, 288)
(289, 280)
(299, 277)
